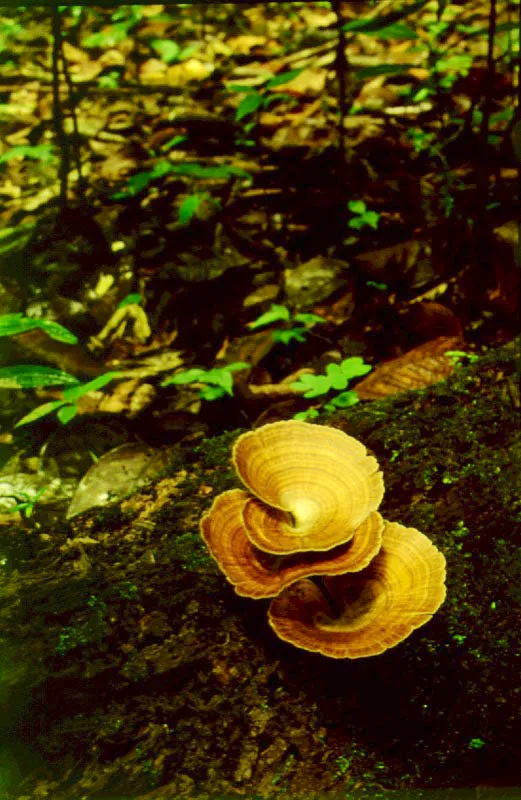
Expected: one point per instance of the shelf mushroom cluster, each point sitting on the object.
(306, 532)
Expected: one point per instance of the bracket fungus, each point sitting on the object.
(309, 509)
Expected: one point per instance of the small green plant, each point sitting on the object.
(123, 19)
(67, 408)
(142, 180)
(297, 325)
(110, 80)
(335, 378)
(190, 205)
(216, 382)
(170, 52)
(459, 356)
(343, 763)
(37, 152)
(28, 502)
(362, 216)
(256, 100)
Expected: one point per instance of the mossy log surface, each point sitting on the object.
(130, 669)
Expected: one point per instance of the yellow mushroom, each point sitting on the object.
(313, 486)
(257, 574)
(366, 613)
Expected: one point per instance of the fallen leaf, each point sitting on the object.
(420, 367)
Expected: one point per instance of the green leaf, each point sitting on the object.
(248, 105)
(374, 24)
(354, 367)
(313, 385)
(188, 208)
(220, 377)
(397, 31)
(237, 365)
(345, 399)
(39, 152)
(309, 413)
(308, 319)
(56, 331)
(193, 375)
(97, 383)
(381, 69)
(212, 393)
(276, 313)
(12, 324)
(29, 376)
(186, 52)
(12, 239)
(356, 206)
(174, 142)
(283, 78)
(40, 411)
(293, 335)
(198, 171)
(66, 413)
(382, 287)
(131, 299)
(371, 218)
(167, 50)
(338, 380)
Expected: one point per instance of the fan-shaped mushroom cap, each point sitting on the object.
(257, 574)
(370, 611)
(315, 486)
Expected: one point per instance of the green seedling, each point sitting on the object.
(67, 408)
(336, 378)
(297, 325)
(38, 152)
(142, 180)
(458, 356)
(216, 382)
(362, 216)
(26, 506)
(256, 100)
(170, 52)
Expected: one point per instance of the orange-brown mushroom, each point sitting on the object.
(313, 486)
(365, 613)
(257, 574)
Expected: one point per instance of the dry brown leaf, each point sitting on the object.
(420, 367)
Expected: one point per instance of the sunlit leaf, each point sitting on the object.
(338, 380)
(308, 319)
(40, 411)
(283, 78)
(248, 105)
(13, 324)
(292, 335)
(354, 367)
(39, 152)
(97, 383)
(131, 299)
(166, 49)
(29, 376)
(212, 392)
(188, 208)
(276, 313)
(66, 413)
